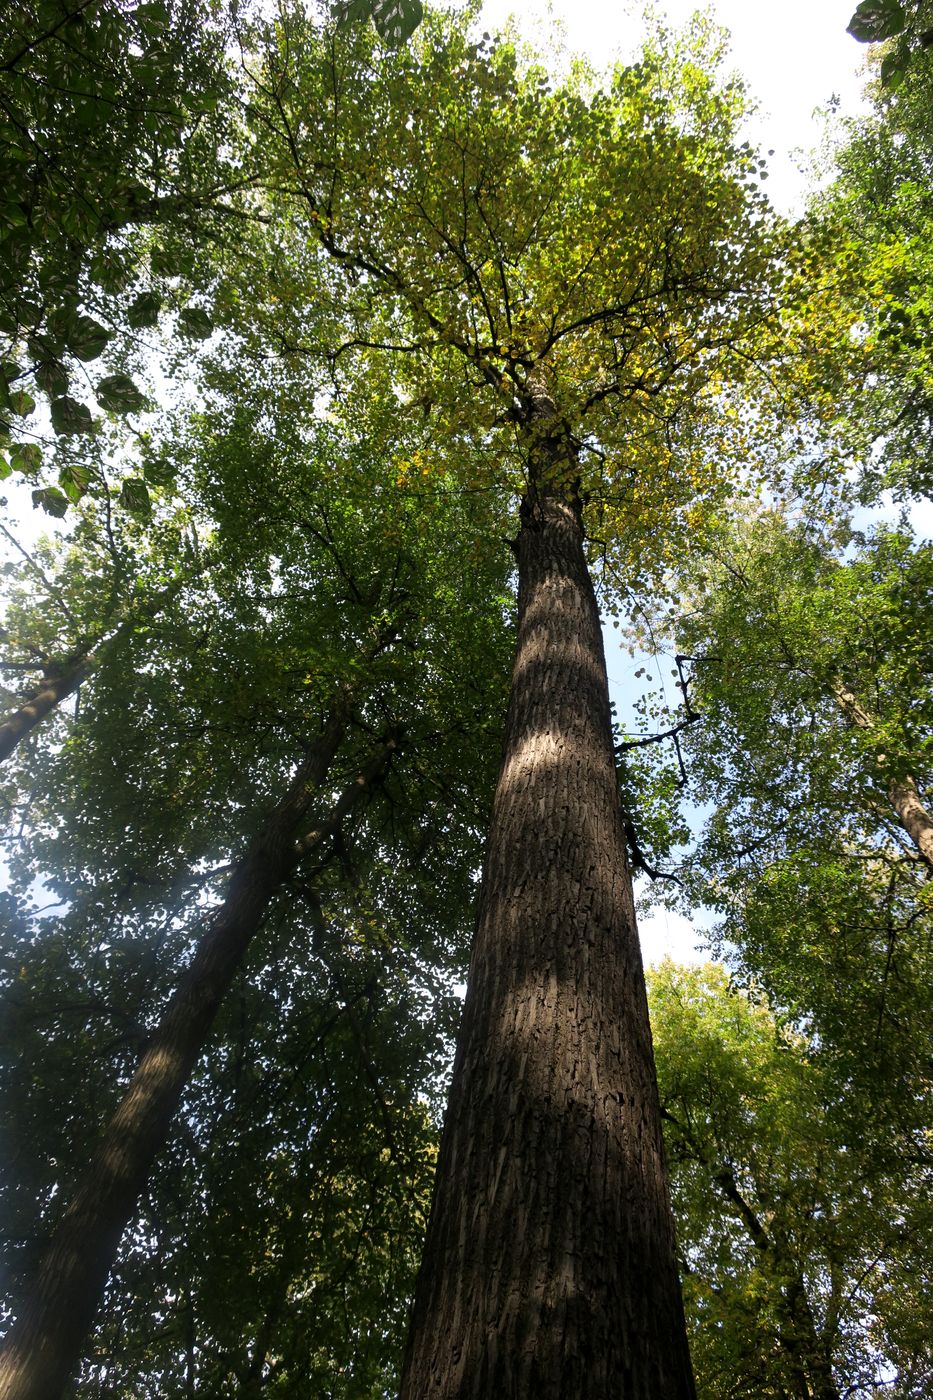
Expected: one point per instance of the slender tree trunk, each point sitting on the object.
(809, 1364)
(913, 816)
(549, 1268)
(44, 1346)
(903, 793)
(57, 686)
(45, 698)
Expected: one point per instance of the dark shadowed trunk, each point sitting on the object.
(44, 1346)
(549, 1269)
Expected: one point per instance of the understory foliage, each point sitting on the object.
(275, 296)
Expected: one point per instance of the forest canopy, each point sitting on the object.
(358, 373)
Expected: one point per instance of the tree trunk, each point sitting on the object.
(58, 684)
(549, 1268)
(913, 816)
(44, 1346)
(903, 793)
(808, 1358)
(49, 694)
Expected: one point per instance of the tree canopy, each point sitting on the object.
(312, 332)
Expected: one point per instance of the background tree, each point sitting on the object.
(907, 26)
(864, 306)
(116, 121)
(804, 1244)
(806, 649)
(153, 845)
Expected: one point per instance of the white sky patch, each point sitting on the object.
(664, 934)
(794, 59)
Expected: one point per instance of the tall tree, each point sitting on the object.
(809, 657)
(863, 304)
(115, 122)
(562, 269)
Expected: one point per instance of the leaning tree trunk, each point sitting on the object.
(809, 1360)
(549, 1268)
(62, 679)
(903, 793)
(44, 1346)
(46, 697)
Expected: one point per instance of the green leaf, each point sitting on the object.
(875, 20)
(195, 322)
(25, 457)
(353, 12)
(135, 496)
(164, 262)
(397, 20)
(52, 501)
(69, 416)
(153, 19)
(86, 338)
(893, 71)
(22, 403)
(5, 468)
(144, 311)
(74, 481)
(13, 215)
(112, 271)
(52, 376)
(159, 471)
(118, 394)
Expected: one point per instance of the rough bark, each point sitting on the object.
(44, 1345)
(549, 1268)
(912, 815)
(45, 698)
(903, 793)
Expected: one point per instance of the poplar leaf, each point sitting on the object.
(52, 501)
(195, 322)
(86, 338)
(135, 496)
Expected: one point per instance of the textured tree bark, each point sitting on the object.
(45, 698)
(44, 1345)
(549, 1268)
(903, 793)
(913, 816)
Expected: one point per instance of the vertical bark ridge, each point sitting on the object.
(44, 1345)
(549, 1269)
